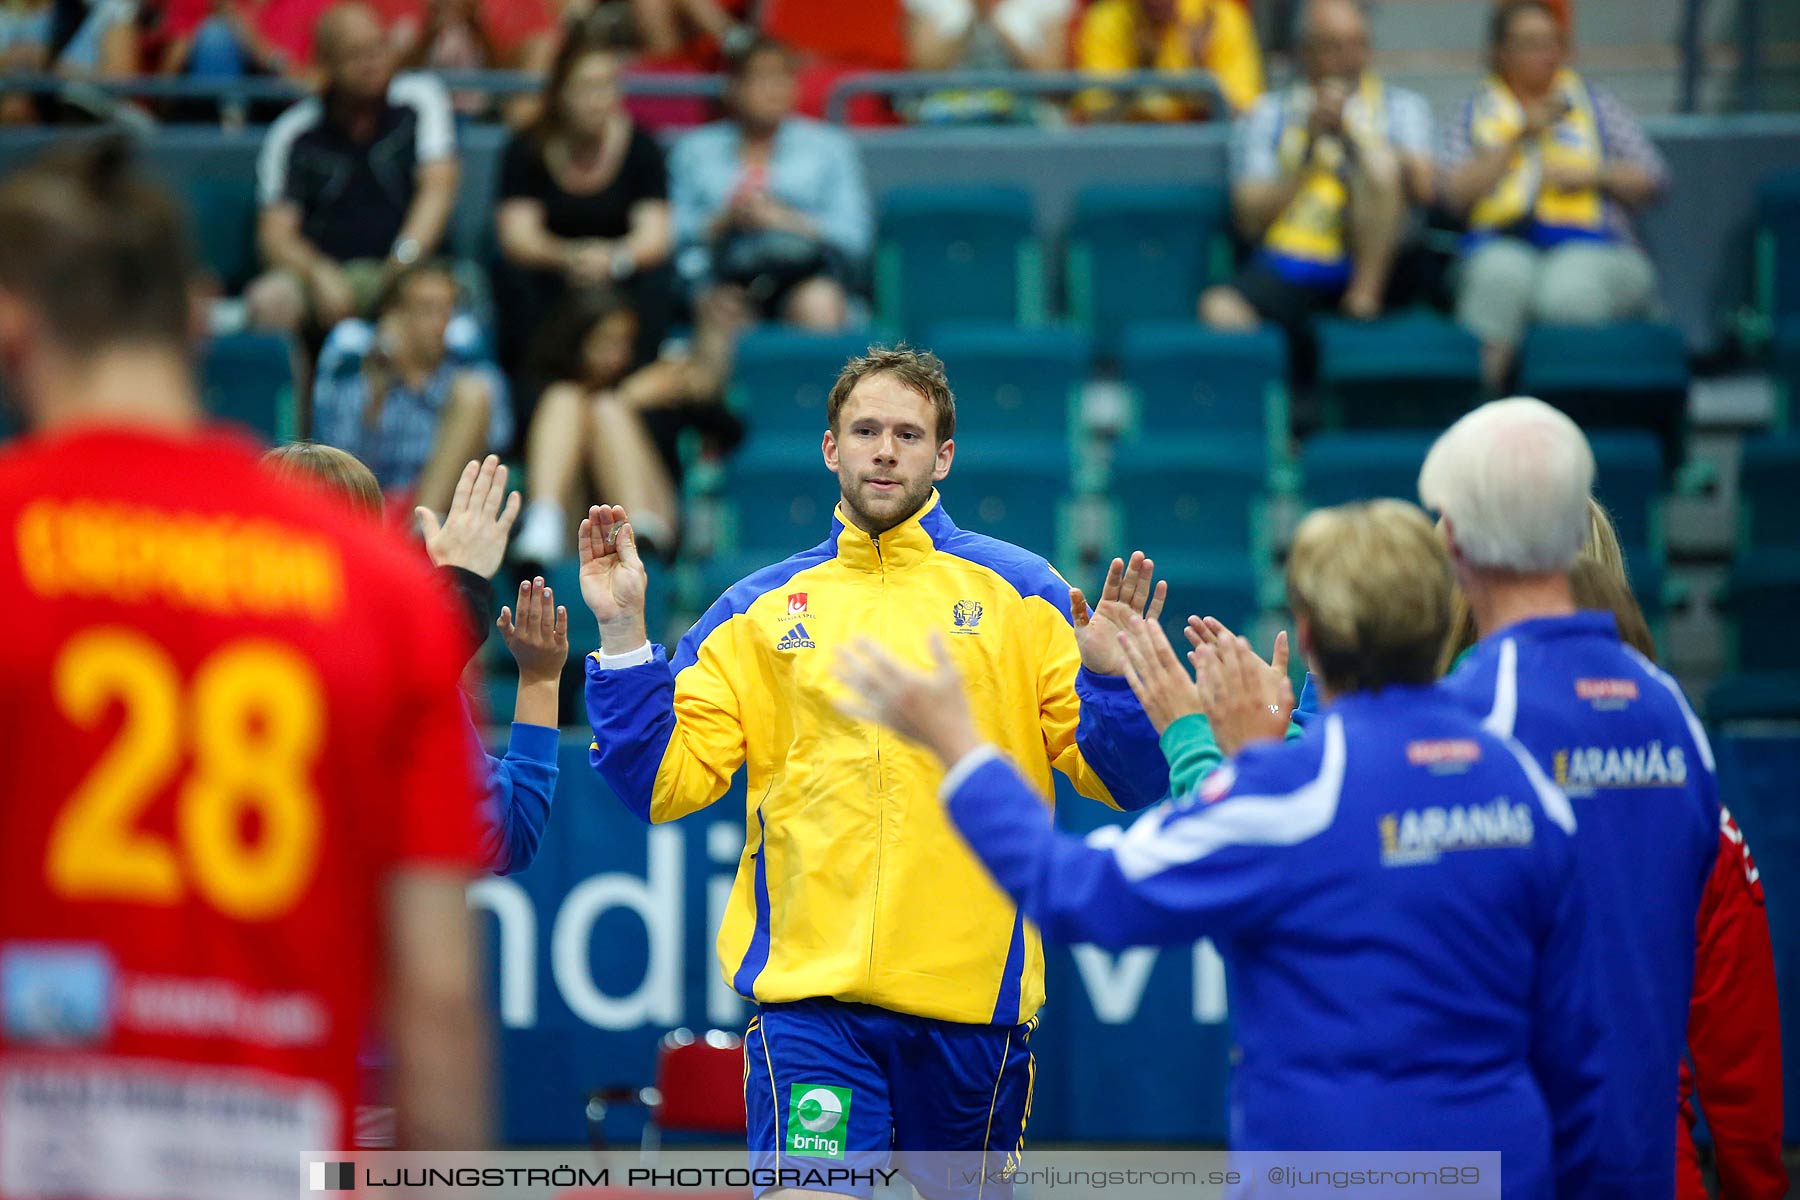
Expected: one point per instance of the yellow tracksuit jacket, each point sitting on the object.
(853, 885)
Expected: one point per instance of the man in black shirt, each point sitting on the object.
(355, 183)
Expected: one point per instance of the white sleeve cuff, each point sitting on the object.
(618, 662)
(966, 766)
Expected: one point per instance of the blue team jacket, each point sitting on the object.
(519, 789)
(1618, 737)
(1395, 899)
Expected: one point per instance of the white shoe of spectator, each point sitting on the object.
(542, 533)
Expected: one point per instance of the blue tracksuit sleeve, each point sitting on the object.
(632, 713)
(1566, 1053)
(1118, 742)
(519, 788)
(1180, 872)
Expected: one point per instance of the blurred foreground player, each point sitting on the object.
(1393, 892)
(229, 823)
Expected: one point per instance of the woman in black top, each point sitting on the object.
(583, 203)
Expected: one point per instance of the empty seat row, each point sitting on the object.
(1417, 371)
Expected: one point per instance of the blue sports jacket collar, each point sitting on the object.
(1586, 623)
(906, 544)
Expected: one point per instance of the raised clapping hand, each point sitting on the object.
(1246, 699)
(1127, 594)
(1161, 684)
(473, 535)
(539, 636)
(929, 707)
(612, 578)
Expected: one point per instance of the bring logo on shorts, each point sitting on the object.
(818, 1118)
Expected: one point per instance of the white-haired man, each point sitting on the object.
(1511, 482)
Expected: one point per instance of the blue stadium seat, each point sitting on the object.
(1143, 253)
(957, 254)
(782, 377)
(1630, 375)
(1012, 382)
(1647, 572)
(1761, 597)
(1223, 585)
(1755, 696)
(1011, 492)
(1195, 381)
(782, 497)
(248, 378)
(1768, 502)
(222, 210)
(1337, 468)
(1415, 370)
(1629, 483)
(1785, 365)
(1199, 498)
(1778, 243)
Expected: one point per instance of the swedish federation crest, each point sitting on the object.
(966, 615)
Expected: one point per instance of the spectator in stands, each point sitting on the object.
(828, 40)
(985, 35)
(1167, 35)
(412, 401)
(228, 38)
(24, 47)
(1547, 169)
(771, 211)
(607, 428)
(356, 183)
(693, 33)
(94, 37)
(1323, 176)
(583, 203)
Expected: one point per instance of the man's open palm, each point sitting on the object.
(612, 575)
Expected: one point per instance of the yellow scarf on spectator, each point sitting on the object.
(1311, 228)
(1522, 194)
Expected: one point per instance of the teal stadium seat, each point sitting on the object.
(1778, 243)
(1761, 597)
(1785, 365)
(248, 379)
(957, 254)
(1415, 370)
(1011, 492)
(1768, 503)
(1338, 468)
(1012, 382)
(1755, 696)
(1193, 382)
(1208, 585)
(1632, 375)
(1143, 253)
(781, 497)
(783, 377)
(222, 209)
(1628, 482)
(1199, 498)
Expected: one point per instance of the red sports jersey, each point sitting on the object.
(1734, 1036)
(227, 715)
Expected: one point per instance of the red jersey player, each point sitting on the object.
(235, 810)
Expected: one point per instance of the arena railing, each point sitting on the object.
(900, 85)
(93, 93)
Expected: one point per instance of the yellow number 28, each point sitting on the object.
(247, 820)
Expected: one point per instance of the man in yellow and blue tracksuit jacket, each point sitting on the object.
(896, 985)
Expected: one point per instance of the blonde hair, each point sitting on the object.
(1372, 583)
(1600, 550)
(337, 471)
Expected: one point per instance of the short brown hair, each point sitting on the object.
(95, 249)
(1372, 582)
(337, 471)
(920, 370)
